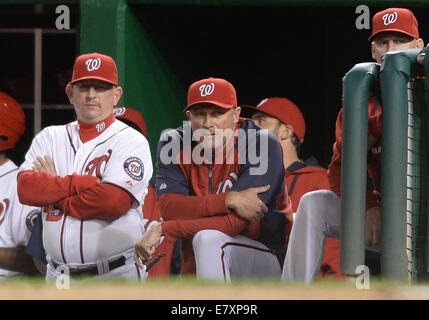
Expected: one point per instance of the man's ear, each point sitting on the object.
(69, 92)
(285, 132)
(188, 114)
(373, 50)
(420, 44)
(237, 113)
(118, 94)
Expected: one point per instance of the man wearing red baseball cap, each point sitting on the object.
(394, 29)
(209, 195)
(99, 72)
(319, 213)
(16, 219)
(90, 177)
(285, 120)
(131, 117)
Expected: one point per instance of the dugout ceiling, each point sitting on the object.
(295, 49)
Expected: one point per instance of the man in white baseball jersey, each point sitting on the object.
(16, 220)
(319, 212)
(90, 177)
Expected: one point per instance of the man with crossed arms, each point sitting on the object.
(91, 177)
(223, 213)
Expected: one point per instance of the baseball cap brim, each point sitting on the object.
(390, 30)
(288, 114)
(93, 78)
(247, 106)
(216, 103)
(256, 109)
(251, 109)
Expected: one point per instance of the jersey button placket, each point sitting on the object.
(71, 245)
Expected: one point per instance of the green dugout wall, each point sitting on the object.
(148, 83)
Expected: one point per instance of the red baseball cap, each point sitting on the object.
(12, 121)
(397, 20)
(95, 66)
(212, 90)
(284, 110)
(131, 115)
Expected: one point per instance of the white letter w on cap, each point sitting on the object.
(207, 89)
(93, 64)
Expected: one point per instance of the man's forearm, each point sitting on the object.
(16, 259)
(42, 189)
(229, 224)
(103, 201)
(177, 206)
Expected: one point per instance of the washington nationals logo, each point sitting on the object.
(134, 168)
(96, 164)
(228, 183)
(118, 111)
(4, 205)
(31, 219)
(100, 126)
(93, 64)
(52, 214)
(390, 18)
(207, 89)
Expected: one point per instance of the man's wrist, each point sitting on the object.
(161, 230)
(229, 202)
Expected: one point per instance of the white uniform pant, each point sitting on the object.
(220, 257)
(128, 271)
(318, 217)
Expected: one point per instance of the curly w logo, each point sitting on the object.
(93, 64)
(224, 186)
(207, 89)
(390, 18)
(96, 164)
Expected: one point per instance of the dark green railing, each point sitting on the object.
(394, 76)
(356, 87)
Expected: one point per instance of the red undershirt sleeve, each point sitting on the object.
(103, 201)
(41, 189)
(229, 224)
(176, 206)
(80, 196)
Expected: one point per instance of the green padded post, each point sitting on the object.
(356, 87)
(394, 77)
(426, 86)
